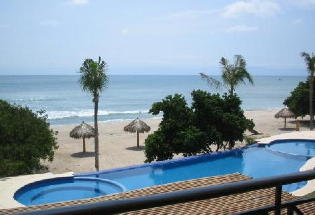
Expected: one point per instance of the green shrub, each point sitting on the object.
(249, 140)
(212, 121)
(298, 101)
(25, 140)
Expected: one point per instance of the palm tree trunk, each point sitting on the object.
(138, 139)
(231, 144)
(96, 134)
(311, 101)
(84, 149)
(231, 90)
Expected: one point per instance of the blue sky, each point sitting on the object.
(155, 37)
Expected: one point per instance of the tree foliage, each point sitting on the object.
(232, 74)
(25, 140)
(93, 77)
(298, 101)
(213, 122)
(310, 63)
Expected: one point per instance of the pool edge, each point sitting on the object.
(310, 185)
(13, 184)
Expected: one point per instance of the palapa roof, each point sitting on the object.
(137, 125)
(284, 113)
(82, 130)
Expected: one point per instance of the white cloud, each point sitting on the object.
(241, 28)
(125, 31)
(192, 13)
(304, 3)
(77, 2)
(308, 2)
(49, 23)
(4, 26)
(297, 21)
(260, 8)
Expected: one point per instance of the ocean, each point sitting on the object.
(129, 96)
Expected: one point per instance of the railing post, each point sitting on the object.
(290, 210)
(296, 211)
(278, 200)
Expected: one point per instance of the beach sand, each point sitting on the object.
(118, 148)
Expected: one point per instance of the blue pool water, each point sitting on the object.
(294, 147)
(256, 161)
(65, 189)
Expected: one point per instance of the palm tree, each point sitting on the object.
(232, 74)
(93, 80)
(310, 62)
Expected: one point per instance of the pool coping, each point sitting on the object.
(295, 135)
(308, 165)
(10, 185)
(21, 190)
(310, 185)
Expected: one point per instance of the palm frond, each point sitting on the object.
(240, 61)
(310, 62)
(93, 76)
(227, 77)
(224, 61)
(212, 82)
(233, 74)
(306, 56)
(243, 74)
(249, 78)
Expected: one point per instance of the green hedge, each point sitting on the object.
(25, 140)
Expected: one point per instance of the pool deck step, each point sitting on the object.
(222, 205)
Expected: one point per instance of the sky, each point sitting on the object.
(42, 37)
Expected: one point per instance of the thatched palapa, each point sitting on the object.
(137, 126)
(83, 131)
(284, 113)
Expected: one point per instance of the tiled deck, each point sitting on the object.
(223, 205)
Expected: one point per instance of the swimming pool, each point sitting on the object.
(294, 147)
(66, 189)
(256, 161)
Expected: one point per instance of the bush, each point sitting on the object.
(249, 140)
(298, 101)
(213, 121)
(25, 140)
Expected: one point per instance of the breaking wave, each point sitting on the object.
(34, 99)
(88, 113)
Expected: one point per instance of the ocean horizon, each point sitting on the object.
(129, 96)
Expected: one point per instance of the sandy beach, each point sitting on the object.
(118, 148)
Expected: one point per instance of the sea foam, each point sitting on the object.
(88, 113)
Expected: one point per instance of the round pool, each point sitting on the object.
(66, 189)
(294, 147)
